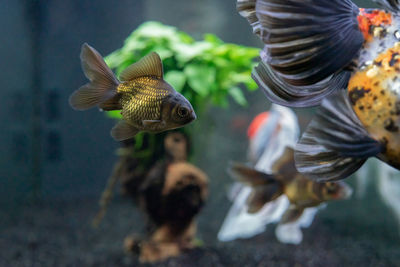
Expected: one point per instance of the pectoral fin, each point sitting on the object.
(291, 214)
(150, 122)
(123, 131)
(154, 125)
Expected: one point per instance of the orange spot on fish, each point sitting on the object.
(367, 19)
(256, 123)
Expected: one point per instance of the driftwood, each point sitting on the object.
(170, 193)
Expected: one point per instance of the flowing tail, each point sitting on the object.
(103, 83)
(265, 187)
(391, 5)
(335, 143)
(308, 47)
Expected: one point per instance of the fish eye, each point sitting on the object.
(183, 112)
(331, 187)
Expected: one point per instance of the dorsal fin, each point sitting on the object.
(150, 65)
(284, 167)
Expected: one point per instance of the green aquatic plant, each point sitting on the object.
(206, 72)
(200, 70)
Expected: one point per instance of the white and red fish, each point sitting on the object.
(344, 58)
(269, 133)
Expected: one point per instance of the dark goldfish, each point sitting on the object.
(344, 58)
(285, 179)
(148, 103)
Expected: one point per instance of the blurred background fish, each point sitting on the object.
(284, 179)
(266, 198)
(348, 58)
(148, 102)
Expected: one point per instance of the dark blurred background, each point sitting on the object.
(55, 161)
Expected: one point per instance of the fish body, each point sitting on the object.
(345, 59)
(148, 99)
(306, 193)
(138, 104)
(148, 103)
(374, 88)
(301, 192)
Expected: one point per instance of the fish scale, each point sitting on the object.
(141, 99)
(373, 88)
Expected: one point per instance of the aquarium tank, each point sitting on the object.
(220, 190)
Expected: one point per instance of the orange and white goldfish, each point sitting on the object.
(148, 103)
(344, 58)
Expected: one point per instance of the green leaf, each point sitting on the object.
(205, 71)
(114, 114)
(212, 38)
(186, 52)
(200, 77)
(176, 78)
(251, 85)
(237, 94)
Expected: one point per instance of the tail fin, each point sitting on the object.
(265, 187)
(307, 45)
(391, 5)
(103, 83)
(247, 8)
(335, 144)
(283, 93)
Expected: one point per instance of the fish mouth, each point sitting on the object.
(193, 116)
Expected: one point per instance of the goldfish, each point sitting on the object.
(268, 135)
(284, 179)
(147, 101)
(342, 58)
